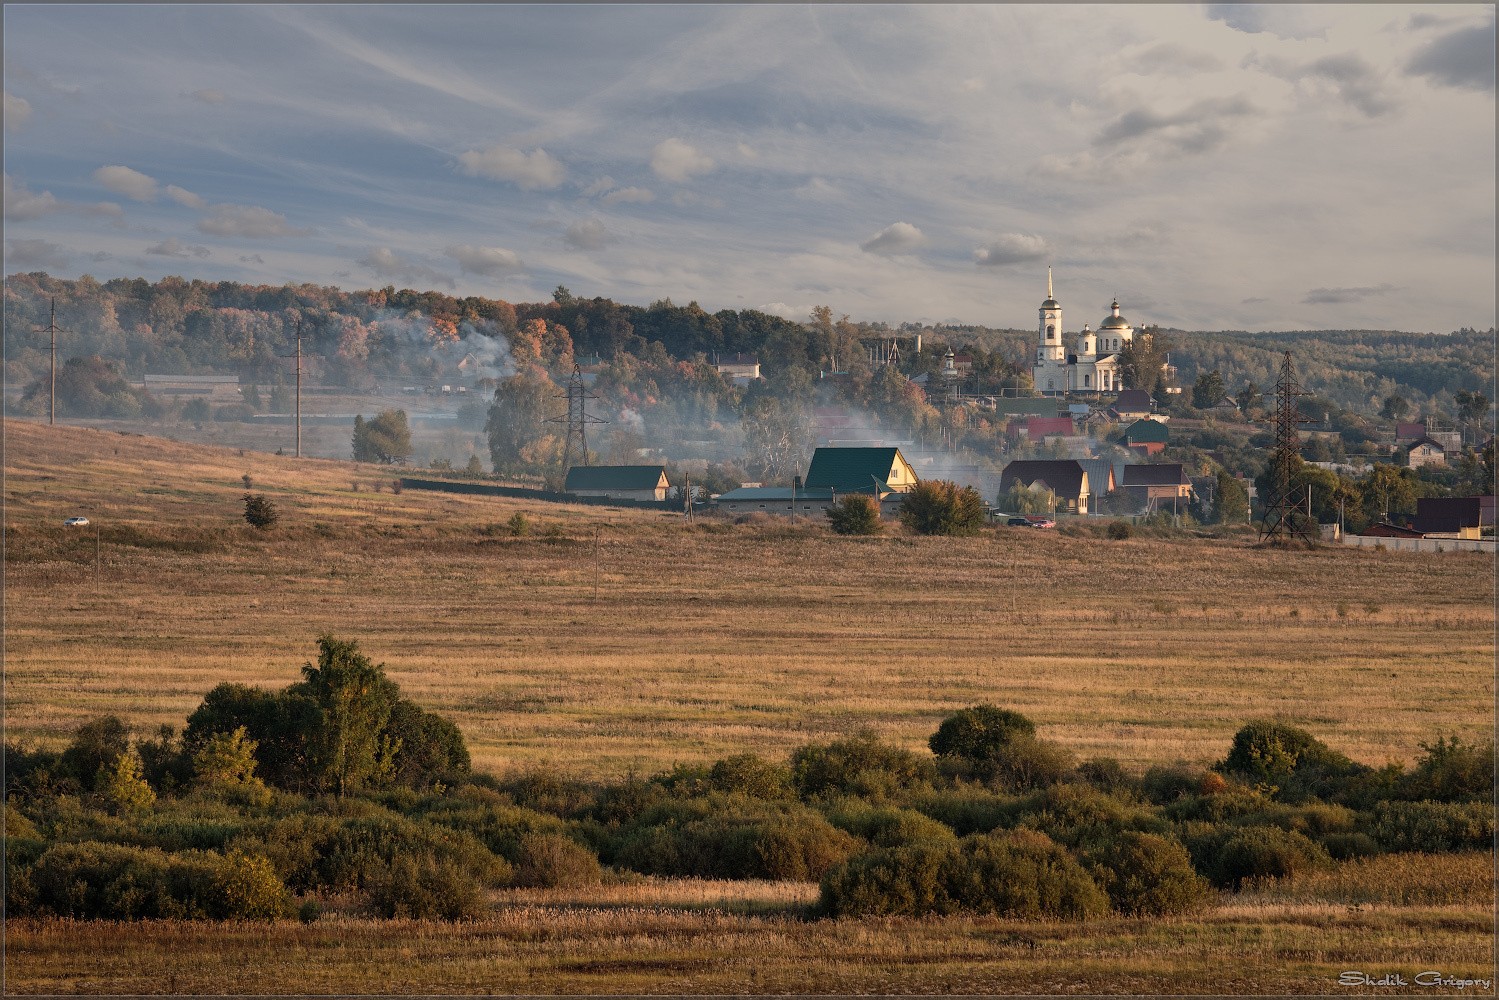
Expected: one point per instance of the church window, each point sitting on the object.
(1087, 380)
(1051, 333)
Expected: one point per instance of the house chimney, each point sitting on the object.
(796, 483)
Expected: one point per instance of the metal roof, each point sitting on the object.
(852, 470)
(614, 477)
(1155, 475)
(1065, 477)
(1145, 430)
(751, 494)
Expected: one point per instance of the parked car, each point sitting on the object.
(76, 522)
(1037, 521)
(1018, 522)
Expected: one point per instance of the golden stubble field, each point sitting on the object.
(635, 640)
(630, 641)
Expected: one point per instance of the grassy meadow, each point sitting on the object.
(608, 641)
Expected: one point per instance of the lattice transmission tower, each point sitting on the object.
(1285, 516)
(577, 419)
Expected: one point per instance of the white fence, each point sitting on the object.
(1421, 544)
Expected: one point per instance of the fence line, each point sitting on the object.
(1421, 544)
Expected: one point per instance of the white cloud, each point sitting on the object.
(184, 197)
(818, 189)
(176, 248)
(247, 221)
(598, 187)
(630, 194)
(747, 151)
(486, 261)
(676, 161)
(894, 239)
(209, 96)
(386, 263)
(17, 111)
(108, 209)
(1011, 248)
(22, 203)
(131, 183)
(587, 234)
(533, 171)
(35, 254)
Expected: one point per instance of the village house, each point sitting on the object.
(1066, 478)
(782, 500)
(1425, 451)
(1132, 404)
(619, 482)
(740, 369)
(1101, 477)
(873, 471)
(1147, 436)
(1154, 487)
(1454, 515)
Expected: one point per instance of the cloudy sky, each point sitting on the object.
(1276, 167)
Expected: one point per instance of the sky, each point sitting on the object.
(1272, 167)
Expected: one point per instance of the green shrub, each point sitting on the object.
(1265, 852)
(940, 507)
(1119, 531)
(1233, 804)
(1166, 783)
(1022, 875)
(733, 838)
(750, 775)
(114, 882)
(1289, 763)
(858, 765)
(1452, 771)
(889, 826)
(620, 804)
(1025, 763)
(95, 748)
(979, 733)
(550, 860)
(1343, 846)
(1434, 827)
(1147, 875)
(854, 514)
(545, 791)
(1109, 776)
(425, 888)
(967, 810)
(429, 748)
(499, 827)
(260, 511)
(1077, 814)
(894, 881)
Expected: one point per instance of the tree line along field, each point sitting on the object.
(606, 642)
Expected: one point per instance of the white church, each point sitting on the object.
(1092, 365)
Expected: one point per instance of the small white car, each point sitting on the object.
(76, 522)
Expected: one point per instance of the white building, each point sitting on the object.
(1093, 363)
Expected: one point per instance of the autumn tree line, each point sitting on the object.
(651, 369)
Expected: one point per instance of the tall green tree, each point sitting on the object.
(1209, 390)
(348, 746)
(385, 439)
(1230, 499)
(520, 439)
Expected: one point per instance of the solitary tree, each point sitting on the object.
(854, 514)
(940, 507)
(1230, 499)
(385, 439)
(1249, 398)
(260, 511)
(354, 699)
(1394, 407)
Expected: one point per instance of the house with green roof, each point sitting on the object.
(620, 482)
(1146, 435)
(875, 471)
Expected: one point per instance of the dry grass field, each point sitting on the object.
(629, 641)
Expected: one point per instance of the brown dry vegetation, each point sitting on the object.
(709, 639)
(668, 642)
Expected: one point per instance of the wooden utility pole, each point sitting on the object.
(299, 387)
(52, 329)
